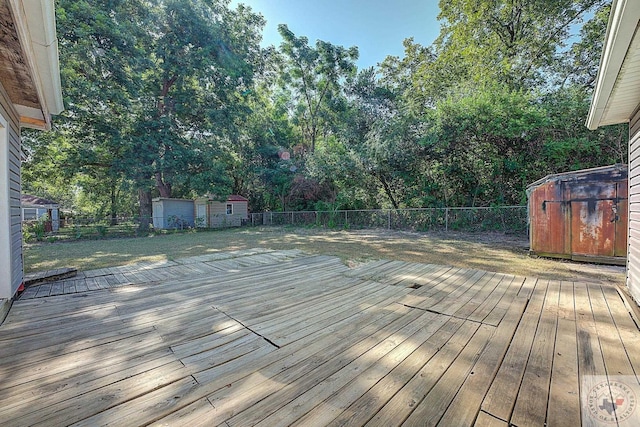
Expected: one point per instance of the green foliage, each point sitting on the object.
(102, 230)
(176, 98)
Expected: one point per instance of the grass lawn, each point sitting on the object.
(486, 251)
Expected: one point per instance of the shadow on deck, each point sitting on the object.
(270, 338)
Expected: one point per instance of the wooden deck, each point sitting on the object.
(278, 338)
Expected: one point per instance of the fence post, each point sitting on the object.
(446, 219)
(346, 220)
(271, 219)
(389, 219)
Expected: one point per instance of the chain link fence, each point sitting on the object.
(512, 219)
(508, 219)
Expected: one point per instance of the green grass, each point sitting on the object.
(485, 251)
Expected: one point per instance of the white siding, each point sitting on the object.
(11, 270)
(633, 258)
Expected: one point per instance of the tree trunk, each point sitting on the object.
(114, 212)
(144, 198)
(388, 191)
(164, 188)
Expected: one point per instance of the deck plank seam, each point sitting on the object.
(247, 328)
(479, 322)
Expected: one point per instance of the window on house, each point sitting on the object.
(229, 209)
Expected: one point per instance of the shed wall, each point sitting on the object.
(633, 256)
(581, 215)
(11, 268)
(218, 214)
(165, 209)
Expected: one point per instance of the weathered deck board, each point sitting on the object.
(532, 398)
(466, 404)
(263, 337)
(564, 393)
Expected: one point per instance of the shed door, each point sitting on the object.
(594, 214)
(201, 215)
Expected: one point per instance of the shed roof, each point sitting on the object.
(591, 173)
(29, 67)
(236, 198)
(29, 200)
(617, 92)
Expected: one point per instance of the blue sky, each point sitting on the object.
(377, 27)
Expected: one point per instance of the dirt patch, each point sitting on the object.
(499, 252)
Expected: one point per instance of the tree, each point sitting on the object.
(515, 42)
(153, 91)
(315, 75)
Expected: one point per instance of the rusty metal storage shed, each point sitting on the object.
(580, 215)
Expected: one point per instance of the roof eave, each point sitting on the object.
(621, 29)
(36, 28)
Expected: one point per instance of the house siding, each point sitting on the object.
(218, 214)
(12, 270)
(633, 255)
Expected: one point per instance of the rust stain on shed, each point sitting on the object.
(580, 215)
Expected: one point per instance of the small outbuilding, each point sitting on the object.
(213, 213)
(34, 208)
(172, 213)
(580, 215)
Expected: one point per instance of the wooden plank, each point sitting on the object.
(494, 317)
(43, 290)
(526, 290)
(500, 399)
(279, 367)
(590, 360)
(92, 284)
(491, 301)
(302, 316)
(429, 411)
(69, 286)
(195, 414)
(76, 362)
(414, 391)
(210, 341)
(81, 285)
(57, 288)
(222, 354)
(466, 404)
(29, 293)
(486, 420)
(103, 282)
(532, 401)
(53, 390)
(615, 357)
(625, 324)
(365, 407)
(91, 407)
(490, 284)
(374, 301)
(334, 399)
(365, 353)
(461, 294)
(427, 297)
(129, 413)
(49, 349)
(564, 393)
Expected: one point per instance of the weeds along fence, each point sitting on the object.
(508, 219)
(505, 218)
